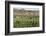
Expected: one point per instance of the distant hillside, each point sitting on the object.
(25, 12)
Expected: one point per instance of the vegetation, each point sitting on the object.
(20, 21)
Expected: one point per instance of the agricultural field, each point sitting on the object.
(25, 18)
(20, 21)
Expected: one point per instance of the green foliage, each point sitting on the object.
(26, 21)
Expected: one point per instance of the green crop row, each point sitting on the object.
(25, 21)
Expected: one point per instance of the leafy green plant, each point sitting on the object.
(26, 21)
